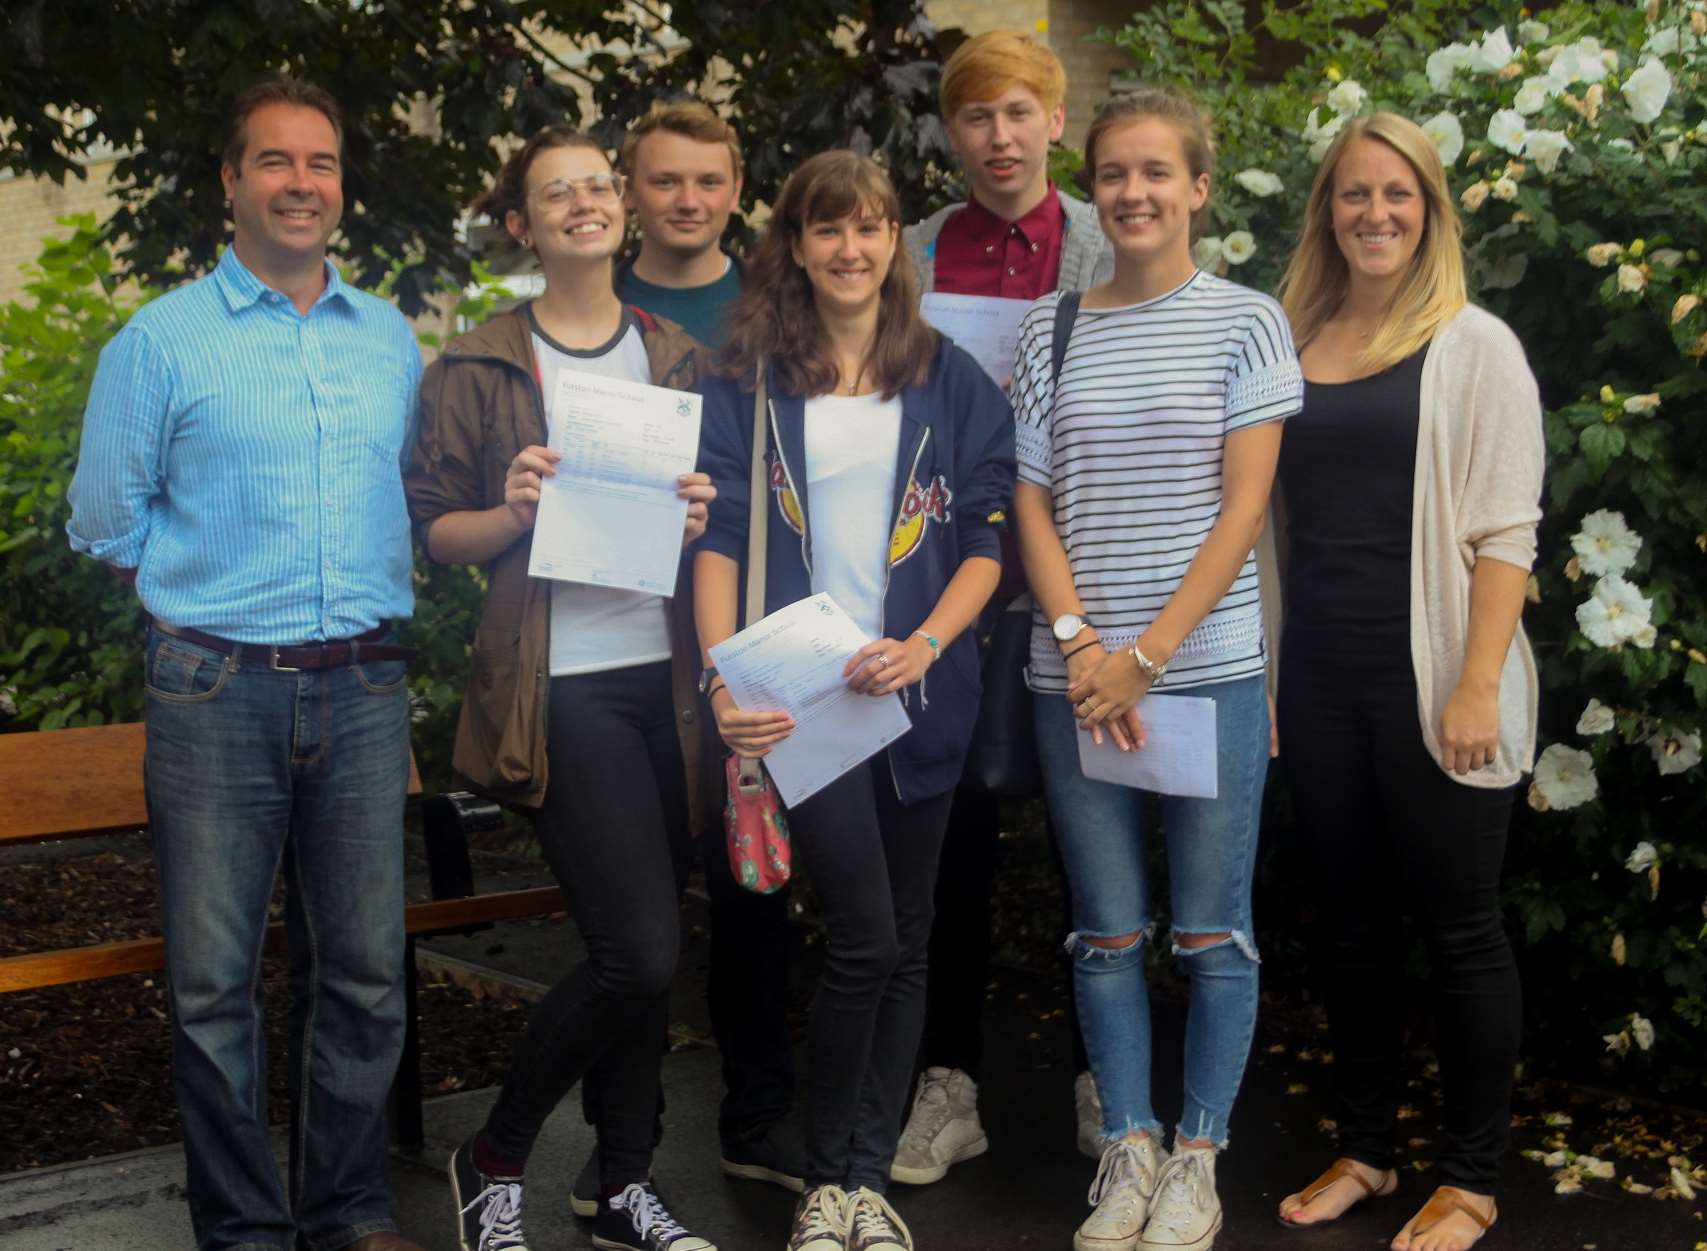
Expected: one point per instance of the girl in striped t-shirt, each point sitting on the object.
(1146, 453)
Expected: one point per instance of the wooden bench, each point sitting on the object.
(84, 783)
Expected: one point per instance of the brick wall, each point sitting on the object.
(28, 207)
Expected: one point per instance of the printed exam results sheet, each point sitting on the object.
(610, 516)
(791, 661)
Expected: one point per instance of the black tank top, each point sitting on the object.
(1347, 474)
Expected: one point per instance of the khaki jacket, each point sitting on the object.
(480, 405)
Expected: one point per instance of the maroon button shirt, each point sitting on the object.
(977, 253)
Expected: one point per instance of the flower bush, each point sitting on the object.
(1575, 139)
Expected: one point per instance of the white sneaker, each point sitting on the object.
(821, 1220)
(1120, 1195)
(1185, 1214)
(875, 1226)
(942, 1130)
(1087, 1111)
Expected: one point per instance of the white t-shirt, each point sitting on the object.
(851, 445)
(594, 628)
(1129, 445)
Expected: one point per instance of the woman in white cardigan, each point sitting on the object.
(1408, 499)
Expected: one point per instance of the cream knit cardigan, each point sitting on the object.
(1480, 459)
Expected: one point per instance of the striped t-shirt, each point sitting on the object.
(1129, 445)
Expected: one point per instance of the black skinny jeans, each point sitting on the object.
(1389, 831)
(873, 862)
(614, 829)
(960, 936)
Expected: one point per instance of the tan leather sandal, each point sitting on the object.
(1342, 1167)
(1444, 1202)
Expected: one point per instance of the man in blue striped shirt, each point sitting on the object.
(241, 466)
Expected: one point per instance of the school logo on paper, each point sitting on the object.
(786, 504)
(919, 507)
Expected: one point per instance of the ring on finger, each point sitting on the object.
(882, 660)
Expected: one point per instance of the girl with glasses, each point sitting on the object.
(580, 701)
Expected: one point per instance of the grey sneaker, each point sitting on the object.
(821, 1220)
(1120, 1195)
(1087, 1112)
(942, 1130)
(875, 1226)
(1185, 1214)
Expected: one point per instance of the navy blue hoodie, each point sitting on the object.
(954, 480)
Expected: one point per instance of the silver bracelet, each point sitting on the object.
(1150, 667)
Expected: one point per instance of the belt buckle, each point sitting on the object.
(273, 661)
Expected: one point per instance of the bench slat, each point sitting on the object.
(141, 955)
(80, 782)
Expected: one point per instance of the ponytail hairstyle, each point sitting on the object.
(1189, 119)
(509, 194)
(776, 317)
(1433, 289)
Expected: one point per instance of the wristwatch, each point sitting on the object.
(706, 677)
(1067, 626)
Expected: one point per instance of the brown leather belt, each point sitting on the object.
(297, 657)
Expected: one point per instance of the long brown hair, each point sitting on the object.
(776, 318)
(509, 194)
(1433, 289)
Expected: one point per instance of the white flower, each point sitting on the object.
(1506, 130)
(1616, 613)
(1675, 751)
(1647, 90)
(1642, 1030)
(1505, 188)
(1670, 40)
(1671, 258)
(1545, 147)
(1238, 247)
(1623, 146)
(1324, 129)
(1644, 855)
(1605, 544)
(1597, 718)
(1631, 279)
(1259, 182)
(1564, 778)
(1531, 31)
(1602, 1170)
(1618, 1044)
(1206, 252)
(8, 701)
(1475, 195)
(1600, 255)
(1448, 136)
(1579, 62)
(1641, 405)
(1443, 63)
(1493, 54)
(1347, 98)
(1534, 93)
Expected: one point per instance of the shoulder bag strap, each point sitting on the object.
(1066, 313)
(758, 493)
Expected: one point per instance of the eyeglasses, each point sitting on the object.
(559, 192)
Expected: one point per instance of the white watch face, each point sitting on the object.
(1067, 625)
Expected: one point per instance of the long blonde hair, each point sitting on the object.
(1433, 289)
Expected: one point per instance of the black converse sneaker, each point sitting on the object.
(821, 1220)
(489, 1209)
(637, 1220)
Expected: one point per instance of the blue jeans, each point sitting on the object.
(250, 771)
(1211, 855)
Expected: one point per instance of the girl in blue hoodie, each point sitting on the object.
(890, 463)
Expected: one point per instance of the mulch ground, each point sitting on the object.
(85, 1070)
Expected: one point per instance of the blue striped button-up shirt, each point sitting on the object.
(245, 459)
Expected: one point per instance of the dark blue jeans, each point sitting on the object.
(250, 771)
